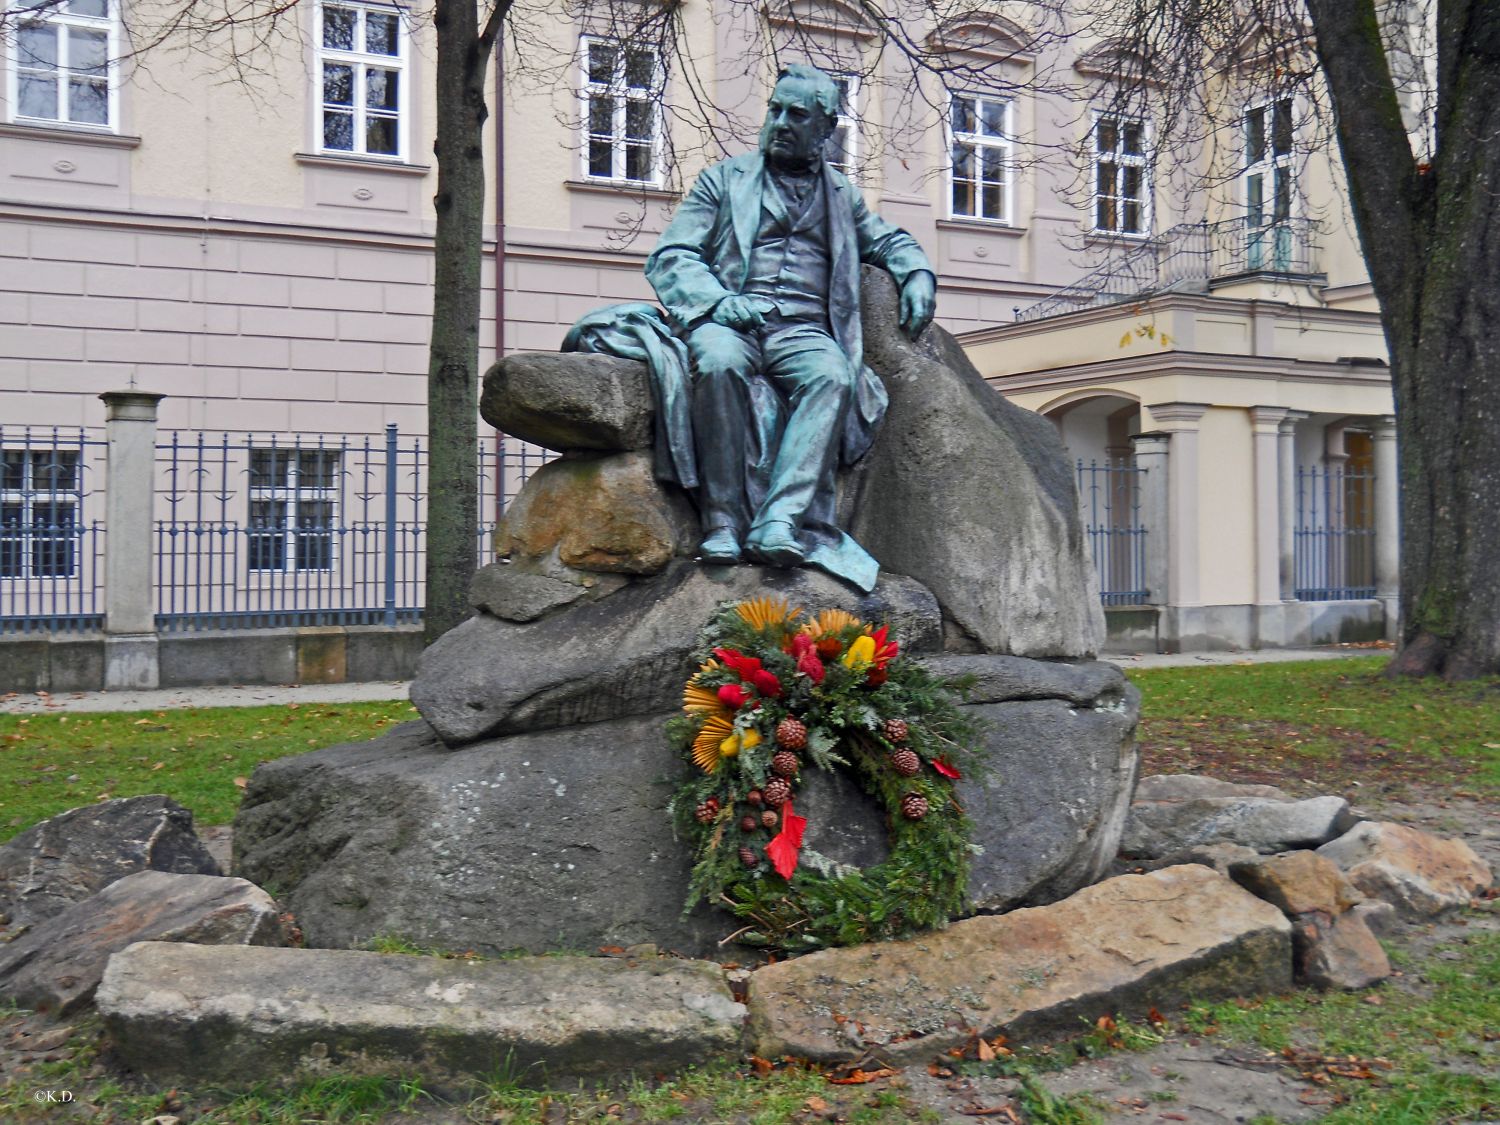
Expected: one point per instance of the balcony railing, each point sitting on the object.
(1188, 258)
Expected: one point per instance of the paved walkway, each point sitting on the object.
(170, 698)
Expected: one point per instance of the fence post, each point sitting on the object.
(390, 524)
(1151, 460)
(1387, 525)
(130, 643)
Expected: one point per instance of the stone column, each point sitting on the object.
(1179, 420)
(130, 655)
(1387, 524)
(1265, 424)
(1286, 445)
(1151, 458)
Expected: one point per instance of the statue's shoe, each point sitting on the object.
(775, 543)
(721, 545)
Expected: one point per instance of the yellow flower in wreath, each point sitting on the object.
(861, 653)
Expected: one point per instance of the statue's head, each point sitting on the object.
(800, 116)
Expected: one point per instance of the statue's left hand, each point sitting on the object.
(918, 303)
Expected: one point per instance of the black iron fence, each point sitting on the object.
(51, 530)
(1334, 538)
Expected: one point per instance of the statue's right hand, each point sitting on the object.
(739, 313)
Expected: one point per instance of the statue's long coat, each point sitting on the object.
(704, 253)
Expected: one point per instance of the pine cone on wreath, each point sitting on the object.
(749, 823)
(768, 819)
(706, 811)
(914, 806)
(791, 734)
(748, 857)
(785, 763)
(777, 792)
(896, 730)
(906, 763)
(754, 798)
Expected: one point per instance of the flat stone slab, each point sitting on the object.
(66, 858)
(1158, 829)
(1419, 874)
(56, 966)
(627, 653)
(237, 1016)
(1120, 946)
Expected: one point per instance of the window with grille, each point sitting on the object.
(293, 506)
(362, 53)
(621, 91)
(60, 62)
(979, 170)
(1121, 190)
(40, 496)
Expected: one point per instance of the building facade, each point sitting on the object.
(248, 233)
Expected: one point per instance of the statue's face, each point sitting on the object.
(796, 125)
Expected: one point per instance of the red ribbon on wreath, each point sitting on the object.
(783, 850)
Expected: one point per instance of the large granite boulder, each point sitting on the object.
(570, 401)
(1050, 812)
(972, 496)
(68, 857)
(605, 514)
(625, 654)
(558, 838)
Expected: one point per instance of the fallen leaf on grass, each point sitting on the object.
(762, 1066)
(241, 782)
(858, 1077)
(938, 1071)
(815, 1104)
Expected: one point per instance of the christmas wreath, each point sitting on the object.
(777, 691)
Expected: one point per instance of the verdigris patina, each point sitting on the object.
(766, 393)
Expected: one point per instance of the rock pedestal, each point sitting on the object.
(527, 809)
(558, 839)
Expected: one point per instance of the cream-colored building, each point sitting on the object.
(254, 243)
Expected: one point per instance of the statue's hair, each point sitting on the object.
(824, 91)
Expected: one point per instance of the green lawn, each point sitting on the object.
(1329, 724)
(49, 763)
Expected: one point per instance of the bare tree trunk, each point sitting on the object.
(1432, 243)
(463, 52)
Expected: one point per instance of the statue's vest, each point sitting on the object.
(791, 262)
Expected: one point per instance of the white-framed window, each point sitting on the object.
(622, 87)
(40, 497)
(842, 147)
(293, 506)
(1122, 188)
(61, 63)
(979, 171)
(362, 94)
(1268, 185)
